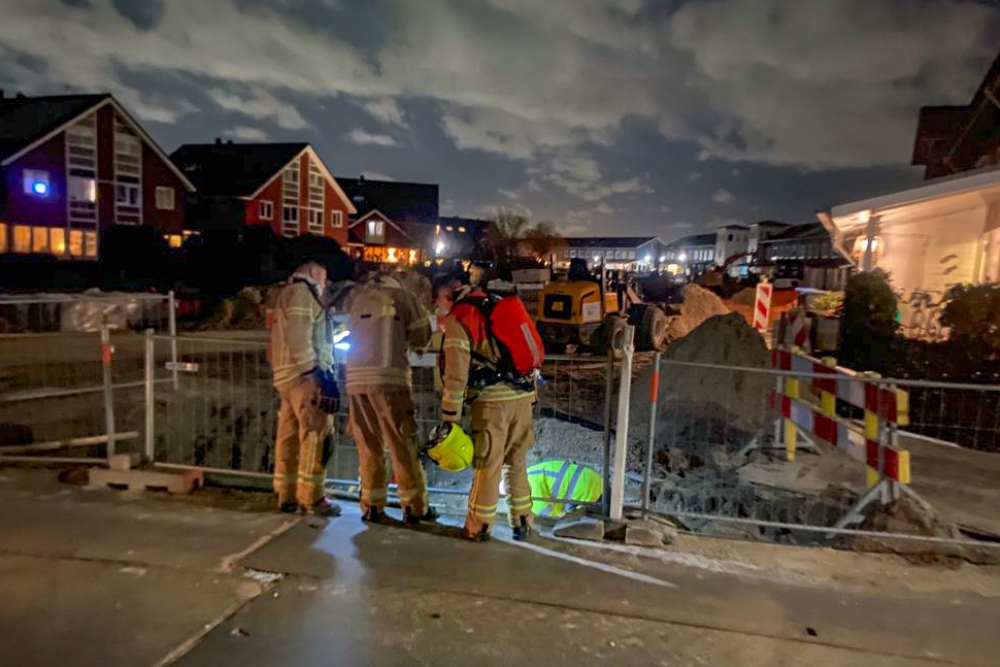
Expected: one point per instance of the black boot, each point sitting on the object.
(522, 531)
(288, 508)
(373, 515)
(430, 516)
(482, 536)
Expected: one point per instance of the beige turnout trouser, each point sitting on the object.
(298, 458)
(380, 419)
(502, 434)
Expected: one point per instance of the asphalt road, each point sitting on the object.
(95, 577)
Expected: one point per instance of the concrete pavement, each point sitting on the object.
(102, 578)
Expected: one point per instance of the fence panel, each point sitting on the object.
(51, 372)
(223, 413)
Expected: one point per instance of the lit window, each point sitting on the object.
(165, 198)
(337, 219)
(376, 229)
(449, 228)
(36, 183)
(266, 210)
(175, 240)
(57, 241)
(40, 239)
(631, 254)
(3, 238)
(90, 244)
(22, 239)
(461, 230)
(76, 243)
(82, 189)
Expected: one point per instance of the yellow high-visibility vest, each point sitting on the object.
(565, 481)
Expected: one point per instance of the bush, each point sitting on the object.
(972, 312)
(868, 327)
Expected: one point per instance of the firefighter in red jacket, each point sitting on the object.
(502, 421)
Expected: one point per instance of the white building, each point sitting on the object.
(762, 231)
(638, 253)
(730, 241)
(929, 238)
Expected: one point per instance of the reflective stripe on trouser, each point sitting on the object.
(299, 472)
(502, 434)
(381, 419)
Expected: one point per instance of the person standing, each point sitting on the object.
(386, 319)
(479, 369)
(302, 366)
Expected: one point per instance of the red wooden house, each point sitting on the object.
(75, 165)
(282, 186)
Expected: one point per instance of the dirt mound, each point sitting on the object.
(746, 297)
(698, 305)
(910, 516)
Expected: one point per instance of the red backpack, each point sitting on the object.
(505, 321)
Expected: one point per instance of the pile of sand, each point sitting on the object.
(698, 305)
(745, 297)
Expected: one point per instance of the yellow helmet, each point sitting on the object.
(453, 452)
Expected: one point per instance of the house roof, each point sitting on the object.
(770, 223)
(796, 232)
(740, 227)
(233, 170)
(695, 240)
(394, 234)
(610, 241)
(27, 122)
(400, 202)
(23, 120)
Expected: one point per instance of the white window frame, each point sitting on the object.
(315, 222)
(129, 188)
(166, 198)
(265, 209)
(290, 221)
(81, 189)
(336, 219)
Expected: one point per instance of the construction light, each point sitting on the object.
(439, 248)
(683, 257)
(40, 188)
(663, 258)
(648, 259)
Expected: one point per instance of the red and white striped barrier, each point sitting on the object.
(762, 307)
(873, 442)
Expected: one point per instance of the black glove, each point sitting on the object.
(329, 393)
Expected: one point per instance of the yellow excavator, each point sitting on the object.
(589, 311)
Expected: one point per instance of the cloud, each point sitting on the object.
(605, 209)
(244, 133)
(806, 83)
(447, 206)
(386, 110)
(509, 194)
(664, 209)
(260, 105)
(376, 176)
(359, 136)
(723, 196)
(694, 176)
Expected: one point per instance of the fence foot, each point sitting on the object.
(856, 515)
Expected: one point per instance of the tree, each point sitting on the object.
(542, 240)
(972, 313)
(869, 330)
(504, 234)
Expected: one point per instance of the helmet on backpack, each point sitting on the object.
(453, 452)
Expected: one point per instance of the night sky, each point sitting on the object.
(603, 116)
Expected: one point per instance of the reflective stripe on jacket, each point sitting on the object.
(563, 480)
(301, 334)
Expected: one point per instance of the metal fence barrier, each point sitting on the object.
(59, 381)
(712, 449)
(222, 415)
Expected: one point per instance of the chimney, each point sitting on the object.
(218, 141)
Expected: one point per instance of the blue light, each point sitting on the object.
(343, 347)
(40, 188)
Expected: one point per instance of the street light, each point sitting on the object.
(683, 257)
(439, 248)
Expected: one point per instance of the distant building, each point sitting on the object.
(804, 255)
(731, 241)
(954, 139)
(286, 187)
(74, 166)
(460, 238)
(692, 254)
(762, 231)
(615, 252)
(394, 222)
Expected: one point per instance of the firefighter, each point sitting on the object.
(302, 365)
(562, 480)
(501, 418)
(385, 319)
